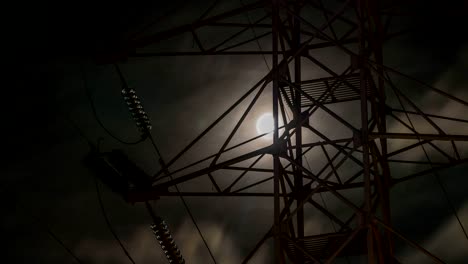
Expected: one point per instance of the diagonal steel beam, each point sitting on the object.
(218, 166)
(157, 37)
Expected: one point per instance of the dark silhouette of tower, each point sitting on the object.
(356, 154)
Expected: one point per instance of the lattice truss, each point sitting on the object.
(347, 127)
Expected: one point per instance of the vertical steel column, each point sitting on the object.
(276, 161)
(298, 181)
(384, 193)
(361, 8)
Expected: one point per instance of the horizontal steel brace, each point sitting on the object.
(419, 136)
(142, 196)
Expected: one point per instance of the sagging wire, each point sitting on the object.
(96, 116)
(95, 147)
(108, 223)
(41, 223)
(159, 227)
(144, 124)
(52, 235)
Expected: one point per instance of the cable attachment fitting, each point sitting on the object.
(168, 245)
(136, 109)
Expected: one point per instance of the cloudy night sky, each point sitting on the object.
(45, 186)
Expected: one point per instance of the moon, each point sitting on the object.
(265, 125)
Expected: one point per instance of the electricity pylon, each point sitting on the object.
(356, 154)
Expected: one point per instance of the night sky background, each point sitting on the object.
(43, 180)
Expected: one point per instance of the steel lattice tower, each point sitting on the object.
(357, 29)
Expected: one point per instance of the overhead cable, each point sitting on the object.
(96, 116)
(436, 175)
(108, 223)
(147, 132)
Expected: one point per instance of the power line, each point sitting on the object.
(183, 201)
(98, 192)
(152, 23)
(108, 223)
(59, 241)
(161, 161)
(82, 134)
(51, 233)
(255, 36)
(436, 175)
(36, 219)
(209, 9)
(96, 116)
